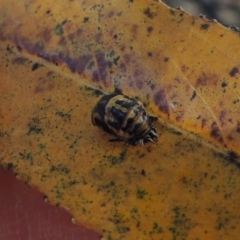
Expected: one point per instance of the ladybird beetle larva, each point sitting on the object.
(124, 117)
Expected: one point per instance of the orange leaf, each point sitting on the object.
(54, 61)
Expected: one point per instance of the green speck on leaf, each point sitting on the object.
(65, 116)
(227, 195)
(72, 182)
(34, 130)
(205, 26)
(10, 166)
(141, 193)
(109, 187)
(149, 54)
(27, 156)
(114, 160)
(2, 134)
(134, 210)
(156, 228)
(60, 169)
(84, 182)
(115, 60)
(123, 229)
(181, 224)
(111, 54)
(90, 65)
(171, 11)
(42, 146)
(59, 194)
(235, 101)
(85, 19)
(34, 127)
(89, 46)
(59, 29)
(224, 84)
(221, 222)
(116, 218)
(95, 92)
(174, 131)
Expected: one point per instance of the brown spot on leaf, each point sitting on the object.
(138, 75)
(201, 81)
(204, 26)
(123, 67)
(127, 58)
(149, 29)
(130, 84)
(35, 66)
(180, 116)
(149, 13)
(51, 58)
(139, 84)
(111, 14)
(2, 36)
(19, 60)
(122, 47)
(222, 117)
(78, 33)
(160, 99)
(166, 59)
(205, 80)
(36, 48)
(178, 79)
(79, 64)
(233, 157)
(143, 172)
(149, 149)
(193, 95)
(98, 37)
(230, 137)
(95, 76)
(204, 122)
(50, 74)
(44, 85)
(184, 68)
(234, 71)
(153, 86)
(150, 54)
(216, 132)
(184, 179)
(82, 63)
(46, 34)
(135, 29)
(19, 48)
(62, 41)
(102, 66)
(230, 120)
(238, 128)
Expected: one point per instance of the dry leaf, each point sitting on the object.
(54, 61)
